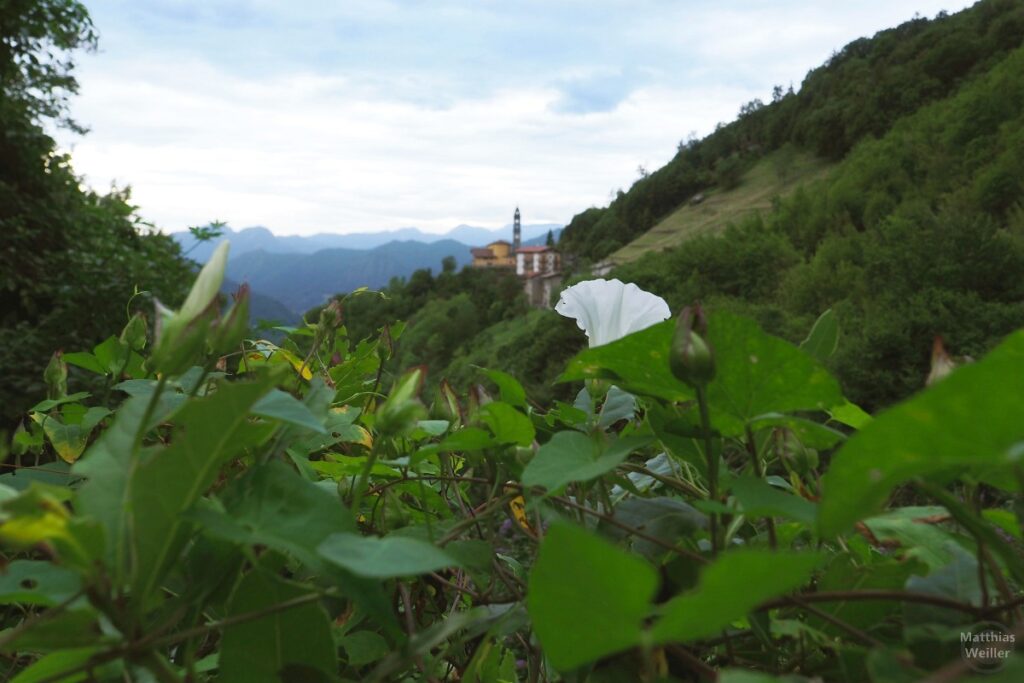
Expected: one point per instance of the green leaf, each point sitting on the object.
(851, 415)
(587, 598)
(208, 433)
(509, 388)
(49, 666)
(638, 363)
(823, 339)
(909, 528)
(282, 406)
(364, 647)
(746, 676)
(106, 465)
(69, 438)
(275, 507)
(468, 439)
(667, 519)
(32, 582)
(257, 651)
(110, 354)
(618, 405)
(507, 424)
(572, 456)
(85, 360)
(756, 372)
(736, 583)
(433, 427)
(971, 420)
(74, 627)
(957, 580)
(760, 498)
(808, 432)
(51, 403)
(845, 574)
(384, 558)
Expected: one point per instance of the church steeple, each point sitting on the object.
(517, 232)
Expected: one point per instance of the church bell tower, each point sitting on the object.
(517, 232)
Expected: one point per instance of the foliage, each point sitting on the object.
(70, 258)
(912, 235)
(859, 93)
(261, 512)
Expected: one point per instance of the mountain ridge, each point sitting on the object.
(258, 237)
(302, 281)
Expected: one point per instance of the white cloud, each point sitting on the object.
(455, 116)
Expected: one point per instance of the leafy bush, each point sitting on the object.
(248, 513)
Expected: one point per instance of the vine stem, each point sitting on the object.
(881, 594)
(709, 453)
(755, 460)
(364, 476)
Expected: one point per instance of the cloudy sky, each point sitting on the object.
(362, 115)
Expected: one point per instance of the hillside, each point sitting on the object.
(859, 93)
(775, 175)
(915, 234)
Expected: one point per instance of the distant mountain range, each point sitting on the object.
(259, 238)
(289, 275)
(302, 281)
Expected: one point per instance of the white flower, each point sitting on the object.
(608, 310)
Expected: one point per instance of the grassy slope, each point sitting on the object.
(759, 185)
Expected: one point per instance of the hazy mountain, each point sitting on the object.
(540, 240)
(302, 281)
(261, 306)
(261, 239)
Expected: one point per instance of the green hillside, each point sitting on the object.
(916, 234)
(858, 94)
(777, 174)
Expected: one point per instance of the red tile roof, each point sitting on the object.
(532, 250)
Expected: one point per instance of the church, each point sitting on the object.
(538, 267)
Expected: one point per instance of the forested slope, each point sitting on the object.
(916, 234)
(859, 93)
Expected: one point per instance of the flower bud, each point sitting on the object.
(56, 376)
(691, 358)
(231, 329)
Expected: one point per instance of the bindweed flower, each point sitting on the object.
(608, 310)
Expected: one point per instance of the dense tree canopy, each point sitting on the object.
(70, 258)
(859, 93)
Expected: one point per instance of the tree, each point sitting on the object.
(70, 259)
(550, 241)
(36, 41)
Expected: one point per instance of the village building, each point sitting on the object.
(538, 267)
(495, 255)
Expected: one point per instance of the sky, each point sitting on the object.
(368, 115)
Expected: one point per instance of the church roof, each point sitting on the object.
(481, 252)
(532, 250)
